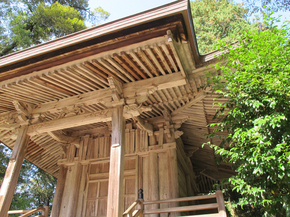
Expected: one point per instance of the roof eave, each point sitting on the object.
(164, 11)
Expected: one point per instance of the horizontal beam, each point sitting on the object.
(182, 209)
(104, 96)
(150, 85)
(68, 122)
(80, 120)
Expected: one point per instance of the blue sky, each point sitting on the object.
(124, 8)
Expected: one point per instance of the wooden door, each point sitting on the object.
(97, 186)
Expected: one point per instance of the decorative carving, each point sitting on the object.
(63, 138)
(135, 110)
(117, 88)
(23, 110)
(71, 111)
(168, 123)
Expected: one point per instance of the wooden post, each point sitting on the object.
(173, 177)
(71, 190)
(58, 192)
(13, 170)
(82, 191)
(221, 203)
(115, 192)
(153, 190)
(46, 211)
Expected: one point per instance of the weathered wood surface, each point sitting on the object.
(115, 192)
(71, 191)
(56, 206)
(13, 170)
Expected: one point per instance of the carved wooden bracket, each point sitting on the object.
(117, 88)
(135, 110)
(24, 111)
(61, 137)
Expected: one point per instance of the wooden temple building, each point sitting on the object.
(113, 109)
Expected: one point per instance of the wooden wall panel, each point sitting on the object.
(158, 169)
(97, 192)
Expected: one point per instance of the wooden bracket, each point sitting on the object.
(135, 110)
(23, 109)
(117, 88)
(62, 138)
(142, 124)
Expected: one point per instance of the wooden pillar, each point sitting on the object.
(173, 177)
(82, 192)
(153, 180)
(13, 170)
(46, 211)
(71, 190)
(116, 174)
(221, 203)
(58, 192)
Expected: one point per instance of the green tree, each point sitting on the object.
(254, 77)
(268, 5)
(30, 22)
(217, 19)
(42, 187)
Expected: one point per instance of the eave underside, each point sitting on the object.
(50, 91)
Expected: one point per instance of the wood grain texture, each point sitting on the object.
(115, 192)
(13, 170)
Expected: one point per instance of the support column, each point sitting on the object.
(153, 180)
(173, 177)
(116, 173)
(13, 170)
(71, 190)
(58, 192)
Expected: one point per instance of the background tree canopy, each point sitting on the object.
(225, 20)
(215, 20)
(29, 22)
(254, 77)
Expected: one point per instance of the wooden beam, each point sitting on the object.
(150, 85)
(67, 122)
(116, 174)
(104, 96)
(13, 170)
(80, 120)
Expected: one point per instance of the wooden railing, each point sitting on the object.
(43, 210)
(219, 205)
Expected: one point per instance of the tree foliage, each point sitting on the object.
(35, 187)
(268, 5)
(217, 19)
(30, 22)
(254, 77)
